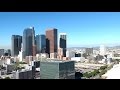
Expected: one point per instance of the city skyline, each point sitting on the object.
(82, 28)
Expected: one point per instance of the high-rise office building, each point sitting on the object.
(40, 43)
(102, 50)
(89, 51)
(51, 42)
(16, 44)
(62, 43)
(29, 48)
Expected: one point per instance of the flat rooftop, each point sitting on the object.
(56, 61)
(50, 29)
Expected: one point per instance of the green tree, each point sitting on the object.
(22, 63)
(103, 67)
(96, 71)
(92, 74)
(87, 75)
(103, 72)
(7, 77)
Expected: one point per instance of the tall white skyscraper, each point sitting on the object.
(102, 50)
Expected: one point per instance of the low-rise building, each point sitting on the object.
(10, 68)
(78, 59)
(24, 74)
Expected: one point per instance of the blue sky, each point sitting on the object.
(82, 28)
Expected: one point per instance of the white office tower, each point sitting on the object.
(102, 50)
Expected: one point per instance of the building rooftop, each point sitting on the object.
(50, 29)
(56, 61)
(24, 70)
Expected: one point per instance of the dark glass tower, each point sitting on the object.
(29, 42)
(16, 44)
(62, 43)
(41, 43)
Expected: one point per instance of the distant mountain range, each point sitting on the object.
(97, 47)
(71, 48)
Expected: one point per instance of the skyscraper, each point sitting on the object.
(16, 44)
(51, 42)
(29, 48)
(62, 43)
(102, 50)
(41, 43)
